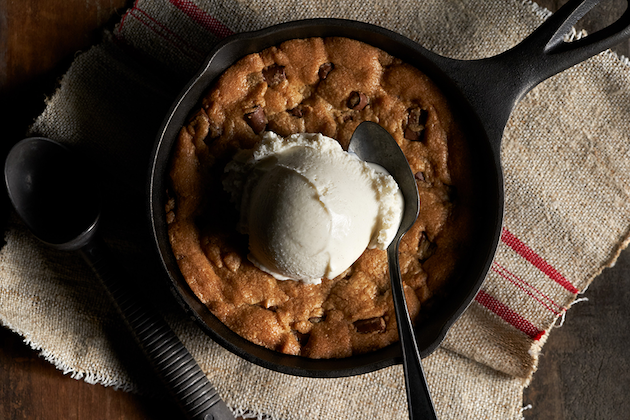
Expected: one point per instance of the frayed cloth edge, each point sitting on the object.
(538, 10)
(88, 377)
(247, 414)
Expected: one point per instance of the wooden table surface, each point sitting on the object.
(584, 370)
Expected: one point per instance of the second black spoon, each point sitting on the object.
(61, 206)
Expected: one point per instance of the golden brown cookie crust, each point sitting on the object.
(325, 85)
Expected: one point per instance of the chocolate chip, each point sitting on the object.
(324, 70)
(426, 248)
(302, 338)
(413, 135)
(296, 112)
(417, 118)
(256, 119)
(357, 101)
(274, 75)
(371, 325)
(416, 122)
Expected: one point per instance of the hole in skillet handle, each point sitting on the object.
(578, 15)
(601, 16)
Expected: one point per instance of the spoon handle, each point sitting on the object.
(182, 376)
(418, 395)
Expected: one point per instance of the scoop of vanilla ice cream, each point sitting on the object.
(309, 207)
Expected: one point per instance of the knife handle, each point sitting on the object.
(175, 366)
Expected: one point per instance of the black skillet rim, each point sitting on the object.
(226, 53)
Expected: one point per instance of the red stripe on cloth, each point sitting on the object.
(158, 29)
(122, 21)
(509, 316)
(201, 17)
(536, 294)
(175, 39)
(526, 252)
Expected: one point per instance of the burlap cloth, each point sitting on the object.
(566, 154)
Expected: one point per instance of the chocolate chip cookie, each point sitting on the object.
(328, 86)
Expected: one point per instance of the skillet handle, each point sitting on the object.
(545, 52)
(494, 85)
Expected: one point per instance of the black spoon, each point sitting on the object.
(372, 143)
(51, 193)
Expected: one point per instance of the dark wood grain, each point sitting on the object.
(584, 370)
(38, 40)
(31, 387)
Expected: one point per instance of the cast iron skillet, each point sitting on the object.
(483, 94)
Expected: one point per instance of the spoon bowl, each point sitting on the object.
(51, 193)
(47, 184)
(372, 143)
